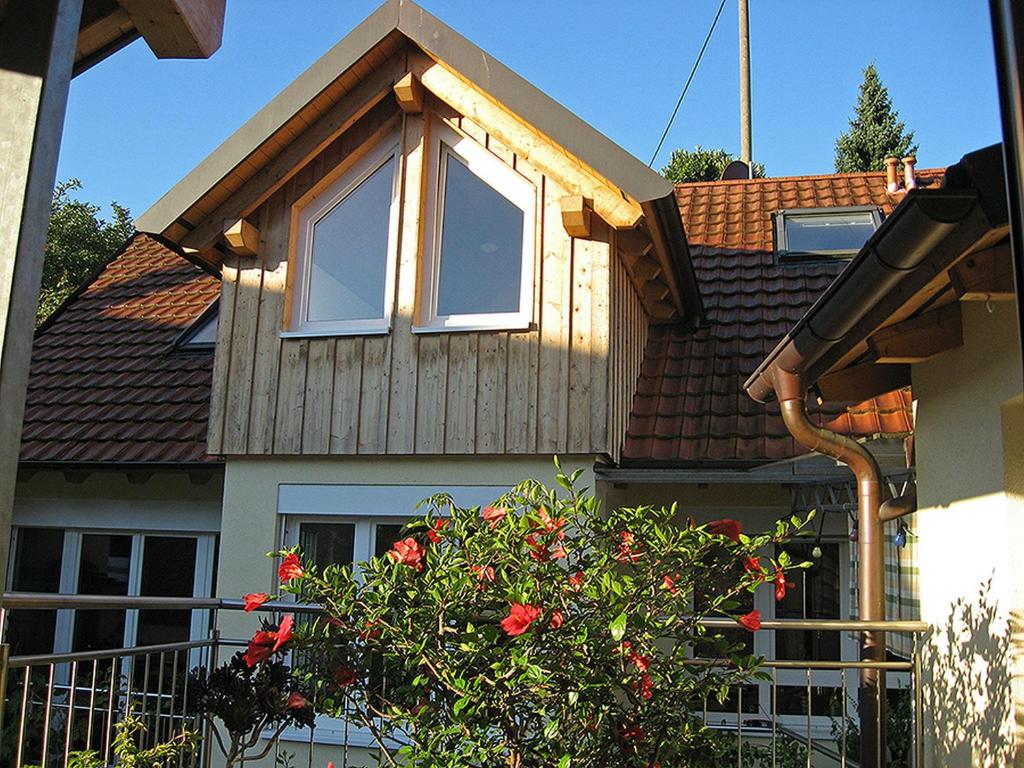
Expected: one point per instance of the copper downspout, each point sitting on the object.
(792, 396)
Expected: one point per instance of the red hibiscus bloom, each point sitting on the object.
(645, 687)
(434, 534)
(751, 621)
(641, 662)
(408, 552)
(494, 515)
(296, 700)
(781, 583)
(635, 733)
(752, 565)
(542, 552)
(290, 568)
(254, 600)
(260, 647)
(483, 573)
(519, 619)
(557, 620)
(344, 677)
(727, 527)
(576, 581)
(670, 584)
(284, 632)
(550, 525)
(370, 632)
(628, 548)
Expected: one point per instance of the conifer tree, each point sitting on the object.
(876, 132)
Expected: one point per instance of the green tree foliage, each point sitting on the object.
(539, 631)
(77, 242)
(700, 164)
(876, 131)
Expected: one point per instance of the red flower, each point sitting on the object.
(284, 632)
(628, 551)
(670, 584)
(781, 583)
(344, 677)
(727, 527)
(260, 647)
(434, 534)
(641, 662)
(541, 552)
(519, 619)
(645, 687)
(549, 525)
(290, 568)
(494, 515)
(557, 619)
(751, 621)
(296, 701)
(254, 600)
(483, 573)
(408, 552)
(635, 732)
(370, 631)
(752, 565)
(576, 581)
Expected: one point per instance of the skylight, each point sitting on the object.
(202, 335)
(816, 233)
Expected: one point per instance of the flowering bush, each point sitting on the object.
(534, 632)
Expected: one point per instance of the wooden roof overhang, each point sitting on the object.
(186, 29)
(359, 72)
(897, 302)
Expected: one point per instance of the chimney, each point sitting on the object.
(909, 178)
(892, 180)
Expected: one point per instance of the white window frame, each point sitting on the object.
(785, 255)
(306, 214)
(507, 182)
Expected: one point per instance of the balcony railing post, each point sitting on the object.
(5, 654)
(208, 730)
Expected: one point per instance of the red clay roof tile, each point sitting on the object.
(105, 384)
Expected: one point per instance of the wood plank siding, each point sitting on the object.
(565, 385)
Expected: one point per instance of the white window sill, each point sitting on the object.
(512, 326)
(314, 333)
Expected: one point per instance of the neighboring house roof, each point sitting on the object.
(106, 385)
(690, 405)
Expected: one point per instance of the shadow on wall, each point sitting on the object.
(967, 678)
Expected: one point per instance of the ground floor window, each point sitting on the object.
(115, 563)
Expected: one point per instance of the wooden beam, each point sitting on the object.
(985, 275)
(296, 155)
(863, 381)
(919, 338)
(178, 29)
(242, 237)
(610, 203)
(409, 93)
(576, 214)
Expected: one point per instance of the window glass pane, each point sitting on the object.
(206, 334)
(37, 561)
(103, 570)
(828, 231)
(327, 543)
(168, 570)
(481, 246)
(723, 573)
(349, 252)
(385, 535)
(814, 595)
(824, 701)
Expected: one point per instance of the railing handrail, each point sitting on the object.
(40, 659)
(45, 600)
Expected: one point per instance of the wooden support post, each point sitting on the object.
(861, 382)
(37, 53)
(185, 29)
(409, 92)
(242, 237)
(576, 215)
(916, 339)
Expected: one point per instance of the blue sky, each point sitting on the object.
(136, 125)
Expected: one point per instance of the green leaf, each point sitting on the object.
(565, 762)
(618, 627)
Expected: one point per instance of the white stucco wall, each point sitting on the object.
(969, 526)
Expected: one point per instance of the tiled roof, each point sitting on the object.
(690, 405)
(106, 385)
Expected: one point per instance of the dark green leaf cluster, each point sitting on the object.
(700, 164)
(876, 132)
(536, 632)
(78, 242)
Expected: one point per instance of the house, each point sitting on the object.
(605, 316)
(930, 301)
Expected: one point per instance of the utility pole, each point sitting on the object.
(746, 153)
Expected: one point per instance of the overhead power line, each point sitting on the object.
(686, 87)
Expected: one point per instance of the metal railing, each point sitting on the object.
(804, 714)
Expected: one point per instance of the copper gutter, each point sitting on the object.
(792, 395)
